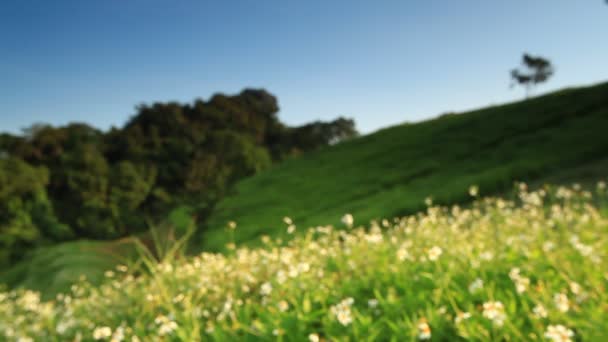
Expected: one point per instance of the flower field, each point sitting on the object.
(532, 267)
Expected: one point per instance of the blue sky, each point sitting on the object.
(380, 62)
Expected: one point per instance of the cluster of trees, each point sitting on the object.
(75, 181)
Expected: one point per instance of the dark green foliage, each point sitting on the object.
(317, 134)
(26, 214)
(536, 70)
(130, 186)
(105, 185)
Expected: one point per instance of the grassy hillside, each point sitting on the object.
(391, 172)
(53, 269)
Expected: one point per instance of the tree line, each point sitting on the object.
(76, 181)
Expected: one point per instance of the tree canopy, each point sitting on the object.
(75, 181)
(534, 70)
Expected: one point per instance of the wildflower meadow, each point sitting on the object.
(532, 267)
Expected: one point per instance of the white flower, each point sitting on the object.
(548, 246)
(575, 288)
(303, 267)
(118, 335)
(473, 190)
(344, 317)
(424, 331)
(495, 312)
(559, 333)
(266, 289)
(101, 333)
(428, 201)
(372, 303)
(403, 254)
(540, 311)
(178, 298)
(486, 255)
(374, 238)
(287, 220)
(348, 220)
(281, 276)
(167, 326)
(291, 229)
(283, 305)
(476, 285)
(561, 302)
(342, 311)
(434, 253)
(514, 273)
(523, 187)
(521, 284)
(313, 338)
(63, 326)
(461, 316)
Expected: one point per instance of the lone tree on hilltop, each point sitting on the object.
(535, 70)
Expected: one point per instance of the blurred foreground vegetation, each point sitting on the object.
(527, 268)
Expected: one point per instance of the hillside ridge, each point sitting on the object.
(391, 171)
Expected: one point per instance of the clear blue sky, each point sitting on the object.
(381, 62)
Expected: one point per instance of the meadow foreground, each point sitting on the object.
(533, 267)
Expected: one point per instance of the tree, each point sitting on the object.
(318, 134)
(27, 218)
(75, 181)
(535, 70)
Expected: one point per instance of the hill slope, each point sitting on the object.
(390, 172)
(54, 269)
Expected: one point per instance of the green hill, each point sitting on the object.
(561, 136)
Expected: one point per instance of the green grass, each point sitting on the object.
(559, 136)
(53, 269)
(500, 270)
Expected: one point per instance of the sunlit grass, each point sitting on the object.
(532, 268)
(556, 138)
